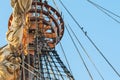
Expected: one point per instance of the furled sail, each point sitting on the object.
(9, 59)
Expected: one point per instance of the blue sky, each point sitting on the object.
(102, 29)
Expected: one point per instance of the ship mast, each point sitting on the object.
(43, 30)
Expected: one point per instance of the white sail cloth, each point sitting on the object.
(9, 67)
(15, 32)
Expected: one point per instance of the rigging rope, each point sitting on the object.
(23, 69)
(81, 28)
(60, 42)
(65, 57)
(86, 52)
(3, 47)
(56, 5)
(105, 11)
(31, 67)
(79, 53)
(29, 71)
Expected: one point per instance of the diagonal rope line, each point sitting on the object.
(29, 71)
(104, 11)
(31, 67)
(61, 43)
(56, 5)
(86, 52)
(79, 53)
(3, 47)
(81, 28)
(65, 57)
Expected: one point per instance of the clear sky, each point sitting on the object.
(102, 29)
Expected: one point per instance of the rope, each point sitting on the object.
(65, 57)
(86, 52)
(23, 70)
(79, 53)
(61, 43)
(29, 71)
(56, 5)
(76, 48)
(103, 10)
(104, 57)
(81, 28)
(32, 67)
(3, 47)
